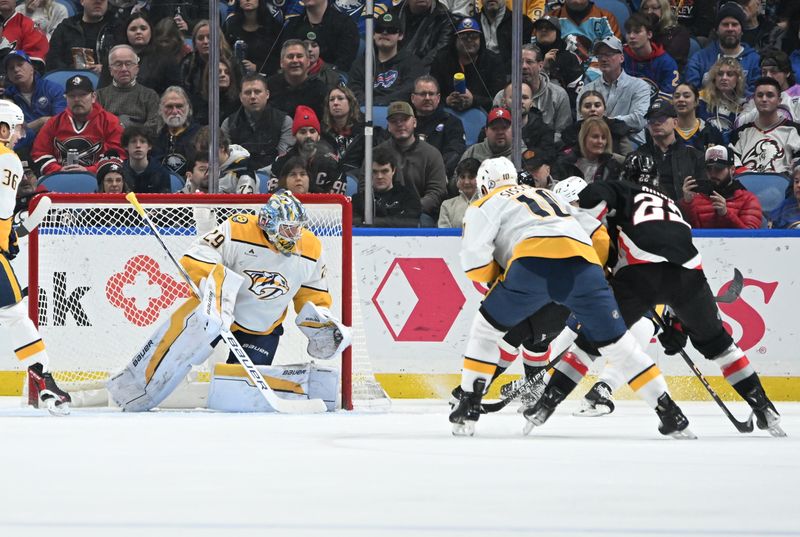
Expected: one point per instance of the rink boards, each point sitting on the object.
(417, 307)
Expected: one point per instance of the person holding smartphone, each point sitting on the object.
(721, 201)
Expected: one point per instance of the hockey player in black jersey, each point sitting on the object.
(657, 263)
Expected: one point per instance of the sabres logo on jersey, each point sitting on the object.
(267, 285)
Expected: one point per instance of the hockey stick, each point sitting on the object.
(287, 406)
(35, 218)
(741, 426)
(488, 408)
(734, 289)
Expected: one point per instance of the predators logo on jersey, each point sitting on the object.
(267, 285)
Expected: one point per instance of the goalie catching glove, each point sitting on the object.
(327, 336)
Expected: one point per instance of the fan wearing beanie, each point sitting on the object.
(109, 176)
(731, 18)
(319, 157)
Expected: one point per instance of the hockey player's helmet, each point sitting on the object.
(570, 187)
(495, 172)
(282, 219)
(640, 168)
(11, 115)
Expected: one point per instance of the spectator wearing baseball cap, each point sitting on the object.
(84, 127)
(498, 137)
(395, 69)
(585, 18)
(420, 165)
(46, 97)
(335, 32)
(627, 98)
(560, 64)
(721, 202)
(484, 71)
(675, 160)
(730, 20)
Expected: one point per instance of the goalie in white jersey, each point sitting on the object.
(258, 265)
(25, 338)
(534, 249)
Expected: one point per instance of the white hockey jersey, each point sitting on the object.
(767, 151)
(10, 176)
(522, 221)
(272, 279)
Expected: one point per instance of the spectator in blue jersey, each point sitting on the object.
(787, 215)
(627, 98)
(583, 17)
(39, 99)
(730, 21)
(690, 129)
(722, 96)
(646, 59)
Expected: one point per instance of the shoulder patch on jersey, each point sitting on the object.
(247, 230)
(239, 219)
(267, 285)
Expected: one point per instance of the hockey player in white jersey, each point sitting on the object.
(530, 245)
(25, 338)
(256, 266)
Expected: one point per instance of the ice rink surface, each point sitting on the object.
(102, 472)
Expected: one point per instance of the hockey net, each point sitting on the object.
(100, 284)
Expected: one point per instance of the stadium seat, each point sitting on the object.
(69, 182)
(617, 8)
(60, 76)
(770, 188)
(378, 115)
(352, 186)
(263, 182)
(69, 5)
(176, 183)
(473, 120)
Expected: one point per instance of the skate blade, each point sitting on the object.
(777, 431)
(685, 434)
(464, 429)
(596, 412)
(56, 410)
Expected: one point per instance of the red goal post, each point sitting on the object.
(99, 284)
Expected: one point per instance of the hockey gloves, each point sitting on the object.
(672, 338)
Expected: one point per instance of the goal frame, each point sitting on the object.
(98, 200)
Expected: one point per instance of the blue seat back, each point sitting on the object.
(69, 182)
(770, 188)
(60, 76)
(176, 182)
(352, 186)
(69, 5)
(263, 182)
(473, 120)
(378, 115)
(618, 8)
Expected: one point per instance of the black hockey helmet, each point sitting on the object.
(640, 168)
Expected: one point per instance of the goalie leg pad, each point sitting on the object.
(233, 391)
(185, 340)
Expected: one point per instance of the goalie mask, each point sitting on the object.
(282, 219)
(495, 172)
(11, 115)
(641, 169)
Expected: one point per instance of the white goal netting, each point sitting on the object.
(100, 283)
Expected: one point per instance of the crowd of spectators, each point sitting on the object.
(704, 90)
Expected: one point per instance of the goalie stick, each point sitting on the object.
(286, 406)
(34, 218)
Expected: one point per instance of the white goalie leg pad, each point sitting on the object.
(185, 340)
(327, 336)
(233, 391)
(25, 339)
(482, 353)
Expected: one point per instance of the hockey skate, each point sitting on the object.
(596, 402)
(455, 397)
(468, 410)
(673, 422)
(44, 392)
(767, 418)
(543, 409)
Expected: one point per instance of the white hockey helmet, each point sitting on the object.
(11, 115)
(495, 172)
(570, 187)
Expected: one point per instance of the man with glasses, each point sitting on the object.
(675, 161)
(627, 97)
(133, 103)
(439, 128)
(395, 70)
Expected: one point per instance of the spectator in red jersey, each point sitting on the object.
(84, 129)
(721, 202)
(20, 33)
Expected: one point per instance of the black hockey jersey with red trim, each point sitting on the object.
(645, 225)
